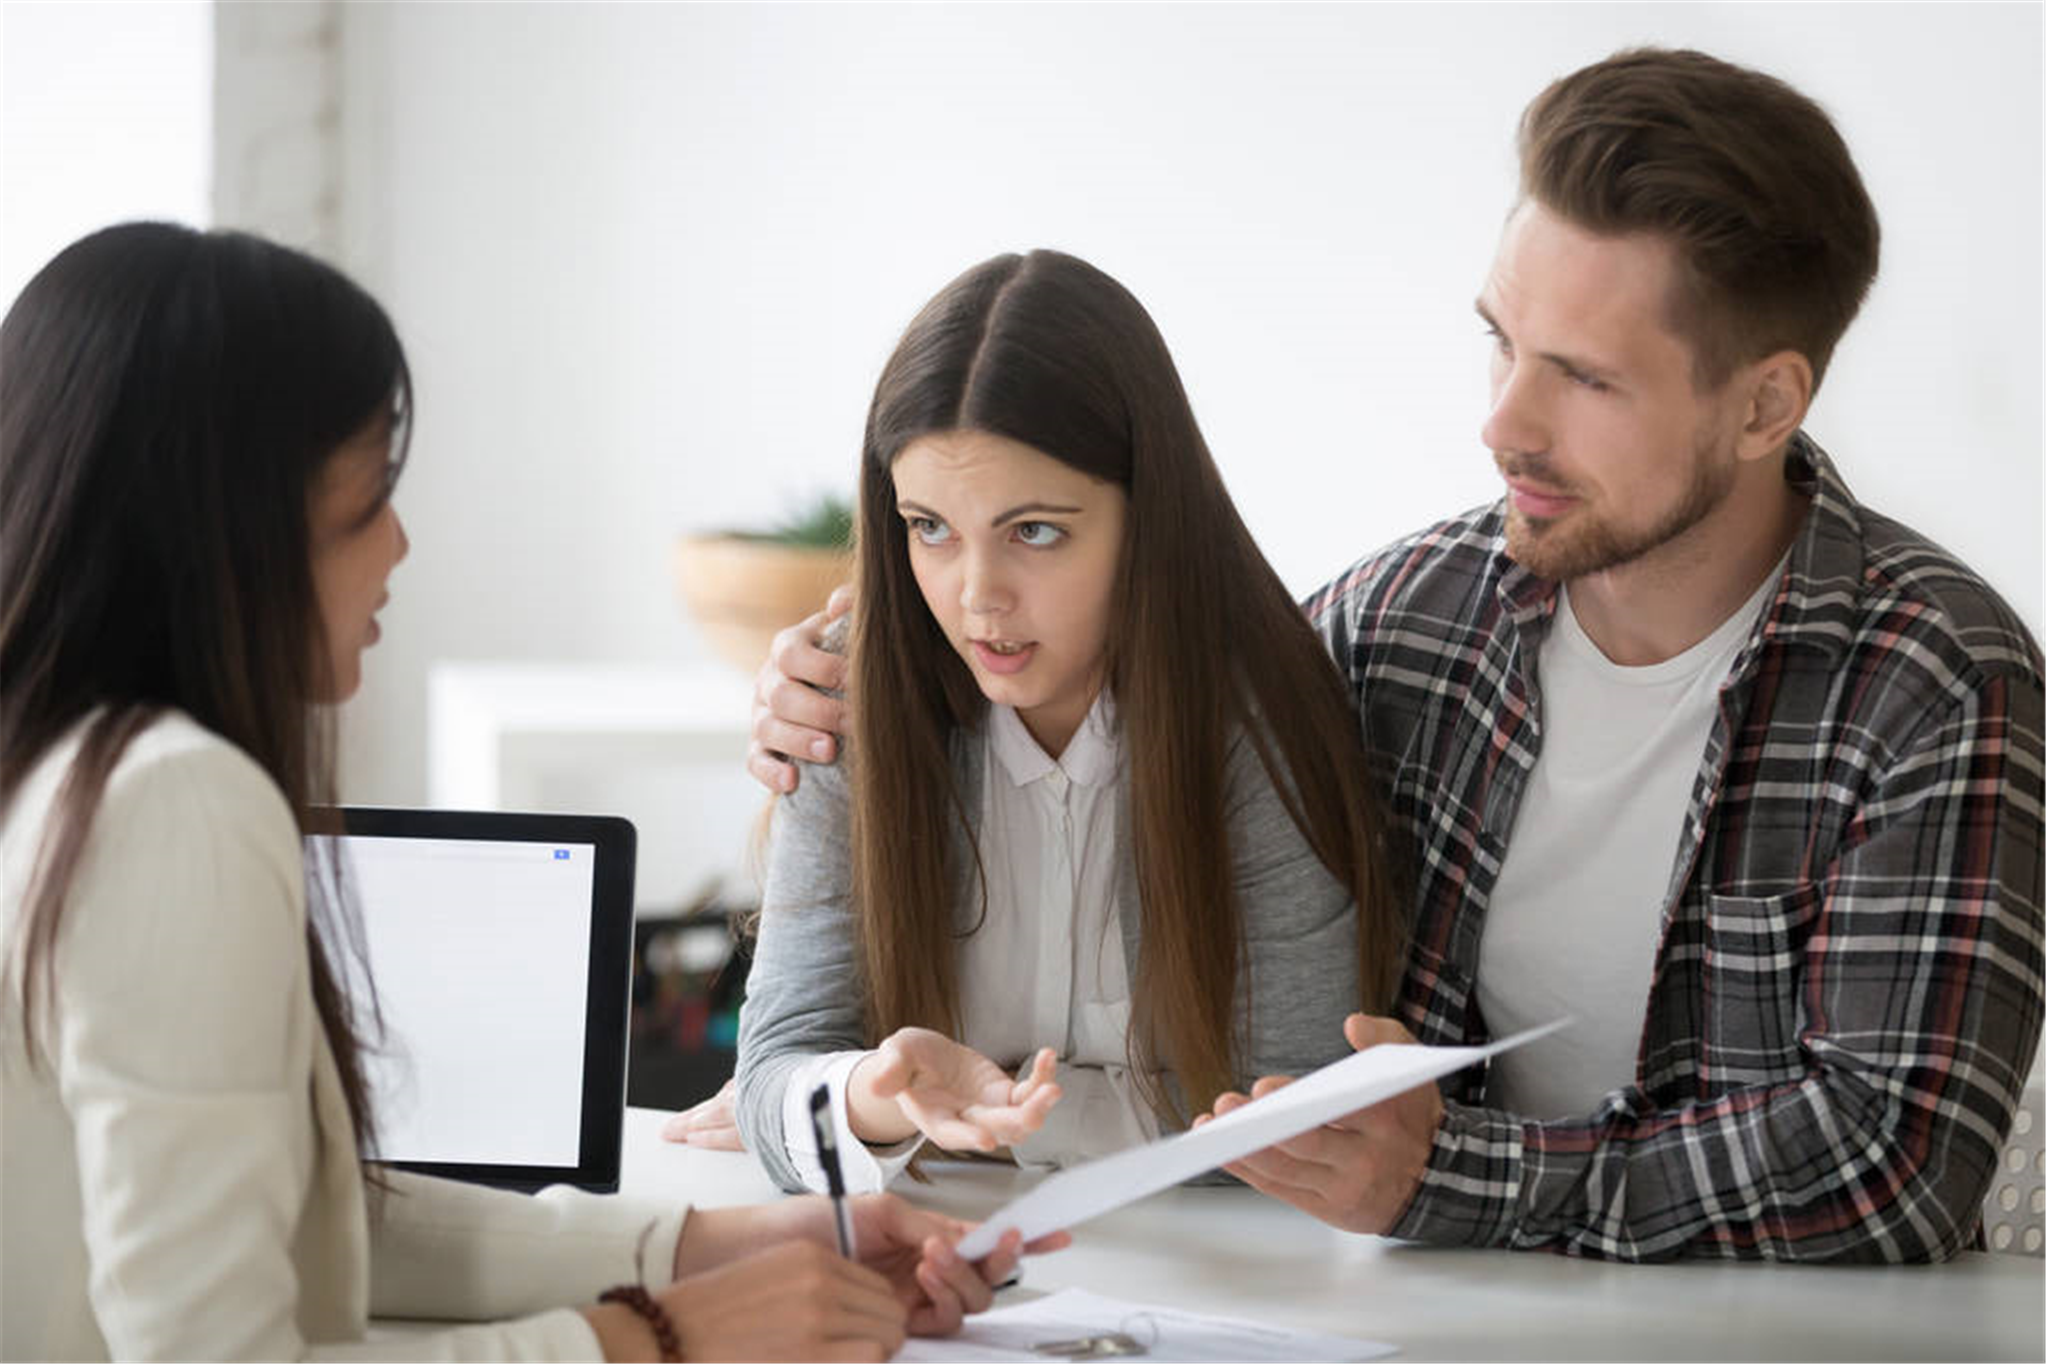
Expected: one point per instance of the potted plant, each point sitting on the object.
(742, 586)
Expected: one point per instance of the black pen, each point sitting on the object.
(826, 1133)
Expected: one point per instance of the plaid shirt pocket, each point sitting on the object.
(1751, 987)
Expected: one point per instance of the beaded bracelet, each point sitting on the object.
(639, 1300)
(643, 1304)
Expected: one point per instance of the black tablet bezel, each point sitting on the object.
(608, 993)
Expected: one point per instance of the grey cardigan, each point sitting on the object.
(803, 996)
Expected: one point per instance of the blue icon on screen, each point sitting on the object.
(561, 854)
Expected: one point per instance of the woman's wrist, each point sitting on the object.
(622, 1334)
(718, 1236)
(715, 1236)
(874, 1120)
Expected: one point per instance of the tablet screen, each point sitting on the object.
(480, 953)
(500, 948)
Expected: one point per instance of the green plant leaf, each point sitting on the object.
(826, 523)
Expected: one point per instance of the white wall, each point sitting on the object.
(648, 261)
(277, 120)
(104, 117)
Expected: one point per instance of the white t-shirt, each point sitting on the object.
(1576, 914)
(1048, 963)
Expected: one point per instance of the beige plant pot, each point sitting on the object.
(740, 592)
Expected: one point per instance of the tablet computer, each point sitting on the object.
(501, 950)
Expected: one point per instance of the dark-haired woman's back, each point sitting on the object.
(177, 1069)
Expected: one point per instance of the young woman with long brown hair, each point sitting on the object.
(199, 435)
(1104, 809)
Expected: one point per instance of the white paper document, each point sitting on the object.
(1165, 1333)
(1070, 1197)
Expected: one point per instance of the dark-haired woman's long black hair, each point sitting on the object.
(168, 399)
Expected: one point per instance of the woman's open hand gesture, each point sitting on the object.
(922, 1081)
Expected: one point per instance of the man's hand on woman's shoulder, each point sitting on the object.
(792, 715)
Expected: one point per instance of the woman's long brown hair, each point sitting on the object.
(168, 400)
(1205, 644)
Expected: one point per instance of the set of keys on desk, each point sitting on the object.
(1107, 1345)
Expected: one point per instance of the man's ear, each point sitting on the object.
(1779, 392)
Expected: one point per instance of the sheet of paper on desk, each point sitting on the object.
(1070, 1197)
(1166, 1333)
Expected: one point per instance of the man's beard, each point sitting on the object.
(1558, 551)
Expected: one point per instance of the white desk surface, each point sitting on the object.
(1233, 1252)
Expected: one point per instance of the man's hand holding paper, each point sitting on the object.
(1358, 1171)
(1382, 1068)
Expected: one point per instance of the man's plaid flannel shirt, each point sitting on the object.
(1847, 989)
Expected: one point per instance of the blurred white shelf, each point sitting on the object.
(490, 725)
(663, 745)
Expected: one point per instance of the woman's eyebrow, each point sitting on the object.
(907, 508)
(1035, 509)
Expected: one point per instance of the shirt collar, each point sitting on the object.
(1091, 757)
(1822, 587)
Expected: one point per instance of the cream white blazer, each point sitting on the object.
(178, 1175)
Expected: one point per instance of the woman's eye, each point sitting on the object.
(1039, 534)
(929, 529)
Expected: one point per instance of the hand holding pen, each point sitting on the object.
(911, 1248)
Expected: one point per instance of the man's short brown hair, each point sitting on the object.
(1748, 179)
